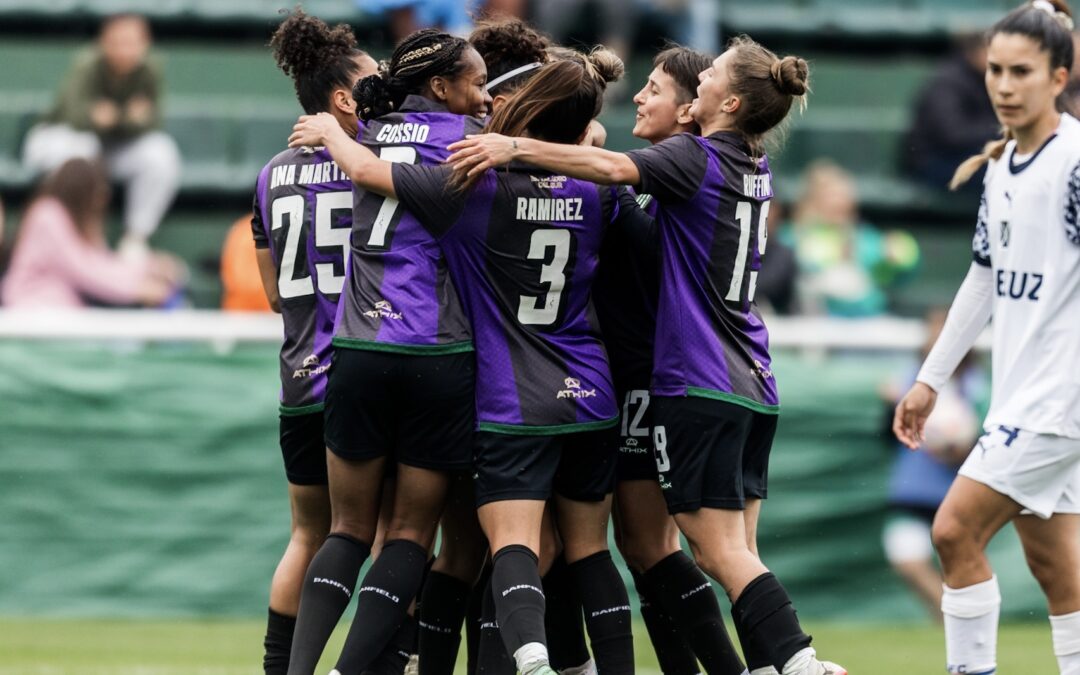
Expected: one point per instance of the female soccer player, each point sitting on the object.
(713, 392)
(680, 610)
(301, 233)
(401, 387)
(1026, 274)
(522, 246)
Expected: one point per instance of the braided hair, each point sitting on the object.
(316, 57)
(421, 56)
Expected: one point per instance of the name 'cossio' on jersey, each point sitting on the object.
(303, 214)
(399, 296)
(522, 246)
(714, 204)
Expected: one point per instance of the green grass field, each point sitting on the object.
(157, 647)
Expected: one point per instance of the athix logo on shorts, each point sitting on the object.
(336, 584)
(383, 310)
(311, 368)
(632, 446)
(761, 371)
(574, 390)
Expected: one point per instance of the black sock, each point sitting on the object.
(672, 653)
(607, 613)
(395, 656)
(562, 618)
(443, 604)
(766, 622)
(278, 643)
(382, 602)
(491, 656)
(519, 600)
(328, 587)
(686, 595)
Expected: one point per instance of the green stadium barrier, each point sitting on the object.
(146, 481)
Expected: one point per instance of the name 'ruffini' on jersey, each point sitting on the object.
(399, 296)
(303, 214)
(714, 204)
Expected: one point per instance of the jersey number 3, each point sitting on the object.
(295, 207)
(542, 311)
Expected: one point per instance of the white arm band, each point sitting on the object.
(970, 311)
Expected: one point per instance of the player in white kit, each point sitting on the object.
(1026, 275)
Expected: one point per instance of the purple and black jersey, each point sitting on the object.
(399, 296)
(522, 246)
(627, 290)
(303, 214)
(714, 203)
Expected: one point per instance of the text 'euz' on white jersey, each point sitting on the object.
(1028, 233)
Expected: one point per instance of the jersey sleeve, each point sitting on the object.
(980, 243)
(1072, 206)
(427, 193)
(258, 228)
(633, 223)
(673, 170)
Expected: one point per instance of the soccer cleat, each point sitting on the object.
(539, 668)
(413, 666)
(830, 668)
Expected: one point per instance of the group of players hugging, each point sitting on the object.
(498, 331)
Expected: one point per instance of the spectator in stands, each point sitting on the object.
(241, 279)
(109, 108)
(845, 265)
(405, 17)
(920, 478)
(953, 117)
(61, 258)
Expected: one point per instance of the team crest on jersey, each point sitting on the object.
(311, 368)
(761, 371)
(383, 310)
(574, 390)
(549, 182)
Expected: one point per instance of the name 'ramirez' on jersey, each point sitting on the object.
(714, 204)
(1028, 233)
(400, 298)
(303, 214)
(522, 246)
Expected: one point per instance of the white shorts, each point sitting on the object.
(906, 538)
(1038, 471)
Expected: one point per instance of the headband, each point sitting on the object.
(513, 73)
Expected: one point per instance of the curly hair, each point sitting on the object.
(316, 57)
(418, 58)
(507, 45)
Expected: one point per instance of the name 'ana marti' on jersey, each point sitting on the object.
(545, 209)
(758, 186)
(310, 174)
(405, 132)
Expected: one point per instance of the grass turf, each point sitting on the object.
(227, 647)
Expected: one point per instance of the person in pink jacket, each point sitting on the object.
(61, 258)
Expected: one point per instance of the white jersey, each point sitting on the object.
(1028, 233)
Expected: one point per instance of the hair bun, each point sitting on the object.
(607, 64)
(790, 74)
(373, 95)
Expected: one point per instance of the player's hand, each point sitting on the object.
(595, 135)
(911, 413)
(104, 115)
(478, 153)
(140, 110)
(312, 130)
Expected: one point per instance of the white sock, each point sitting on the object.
(800, 663)
(767, 670)
(971, 623)
(1065, 630)
(530, 655)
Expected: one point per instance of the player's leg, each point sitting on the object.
(47, 146)
(567, 650)
(910, 552)
(309, 502)
(149, 166)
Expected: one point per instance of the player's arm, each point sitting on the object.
(361, 165)
(476, 154)
(968, 315)
(269, 274)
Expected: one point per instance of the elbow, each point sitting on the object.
(275, 305)
(620, 171)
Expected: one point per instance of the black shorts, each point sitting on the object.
(303, 449)
(633, 441)
(416, 410)
(710, 453)
(578, 466)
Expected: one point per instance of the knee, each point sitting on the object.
(1046, 567)
(157, 152)
(643, 552)
(718, 554)
(950, 537)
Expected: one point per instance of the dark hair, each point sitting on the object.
(767, 85)
(318, 58)
(1053, 33)
(507, 45)
(683, 65)
(81, 187)
(418, 58)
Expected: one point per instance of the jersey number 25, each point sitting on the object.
(295, 208)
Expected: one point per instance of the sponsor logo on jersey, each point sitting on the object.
(632, 446)
(547, 209)
(311, 368)
(549, 182)
(574, 390)
(383, 310)
(405, 132)
(1019, 285)
(757, 186)
(761, 371)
